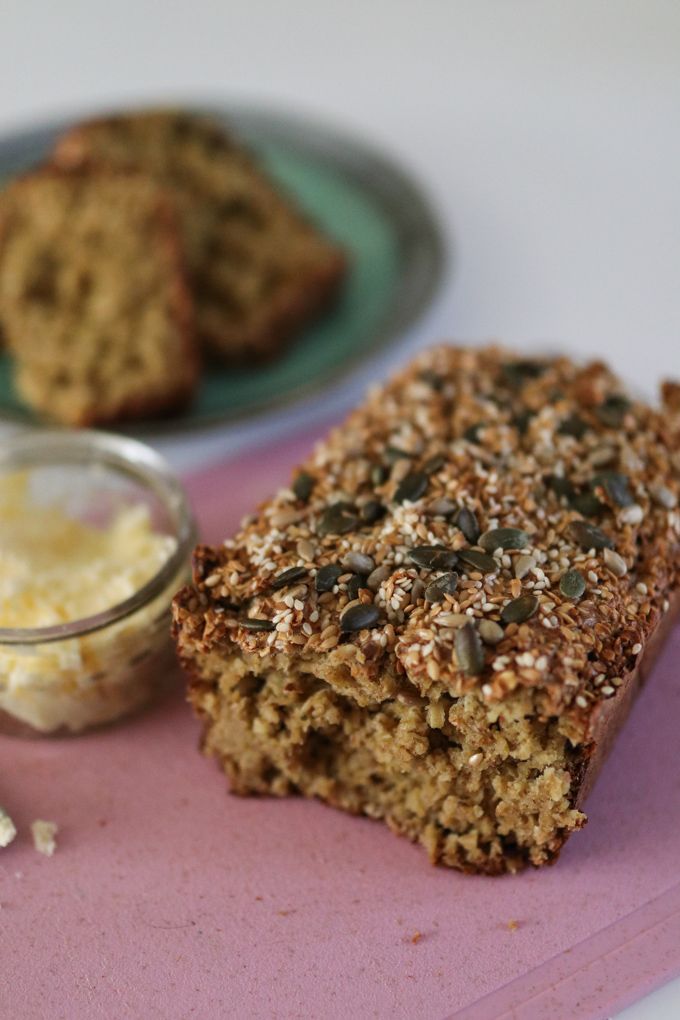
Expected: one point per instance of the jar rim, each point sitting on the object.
(131, 458)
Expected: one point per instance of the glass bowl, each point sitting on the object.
(99, 522)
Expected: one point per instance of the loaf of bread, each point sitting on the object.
(445, 618)
(93, 297)
(259, 270)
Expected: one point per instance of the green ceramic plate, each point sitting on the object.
(358, 197)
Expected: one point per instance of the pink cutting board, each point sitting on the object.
(169, 899)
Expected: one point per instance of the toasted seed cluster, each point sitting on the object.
(450, 498)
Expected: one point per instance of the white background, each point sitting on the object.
(547, 133)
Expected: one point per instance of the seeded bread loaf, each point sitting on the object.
(259, 270)
(93, 298)
(444, 620)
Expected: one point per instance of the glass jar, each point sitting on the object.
(73, 674)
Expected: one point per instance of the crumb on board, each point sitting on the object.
(416, 937)
(44, 834)
(7, 828)
(513, 925)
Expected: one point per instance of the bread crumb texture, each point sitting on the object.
(437, 624)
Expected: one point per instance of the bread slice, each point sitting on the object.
(258, 268)
(444, 620)
(93, 298)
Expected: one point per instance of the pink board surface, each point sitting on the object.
(167, 898)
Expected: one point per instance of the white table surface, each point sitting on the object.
(547, 134)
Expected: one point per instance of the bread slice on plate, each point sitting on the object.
(93, 298)
(259, 269)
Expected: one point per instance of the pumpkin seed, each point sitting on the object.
(520, 609)
(303, 485)
(446, 584)
(504, 538)
(616, 486)
(573, 426)
(289, 576)
(359, 617)
(613, 410)
(478, 560)
(490, 632)
(432, 379)
(469, 650)
(517, 373)
(434, 464)
(358, 562)
(588, 536)
(395, 453)
(560, 486)
(337, 519)
(587, 503)
(433, 557)
(522, 420)
(372, 511)
(572, 584)
(257, 623)
(327, 577)
(471, 433)
(466, 521)
(411, 488)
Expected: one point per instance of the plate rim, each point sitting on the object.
(422, 246)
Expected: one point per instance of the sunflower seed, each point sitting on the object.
(471, 433)
(431, 378)
(446, 584)
(523, 564)
(478, 560)
(411, 488)
(504, 538)
(377, 576)
(469, 650)
(632, 514)
(663, 496)
(379, 474)
(257, 623)
(302, 486)
(434, 464)
(359, 617)
(466, 521)
(572, 584)
(337, 519)
(490, 632)
(517, 373)
(354, 585)
(560, 486)
(616, 563)
(441, 508)
(588, 536)
(433, 557)
(520, 609)
(327, 577)
(289, 576)
(358, 562)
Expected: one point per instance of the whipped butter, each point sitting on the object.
(56, 569)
